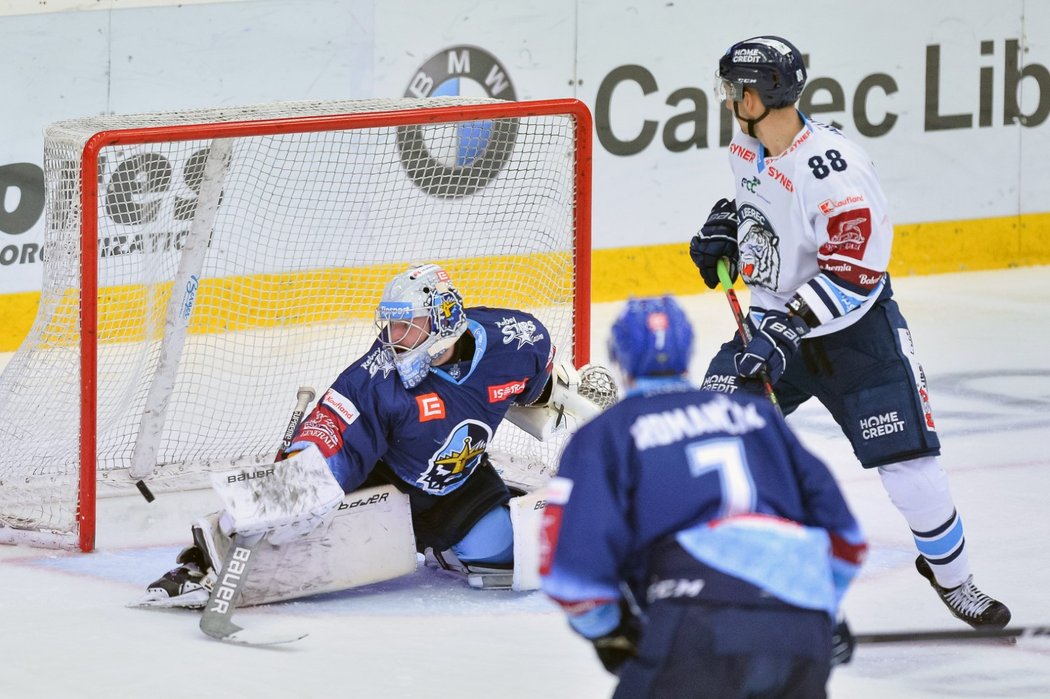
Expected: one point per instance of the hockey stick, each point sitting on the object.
(216, 619)
(953, 635)
(741, 326)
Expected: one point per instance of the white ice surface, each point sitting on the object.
(982, 337)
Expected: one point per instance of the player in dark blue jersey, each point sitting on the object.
(417, 412)
(420, 408)
(691, 537)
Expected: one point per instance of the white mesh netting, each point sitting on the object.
(296, 233)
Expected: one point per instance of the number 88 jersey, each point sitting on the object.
(813, 220)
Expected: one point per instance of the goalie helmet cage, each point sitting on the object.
(201, 265)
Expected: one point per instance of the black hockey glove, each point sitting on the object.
(773, 344)
(621, 644)
(716, 239)
(842, 643)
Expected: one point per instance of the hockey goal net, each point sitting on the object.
(201, 265)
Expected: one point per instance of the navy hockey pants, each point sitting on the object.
(867, 377)
(695, 651)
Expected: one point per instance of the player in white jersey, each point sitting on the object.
(810, 234)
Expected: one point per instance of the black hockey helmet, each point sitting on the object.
(769, 64)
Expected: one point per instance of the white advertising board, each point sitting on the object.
(152, 57)
(950, 99)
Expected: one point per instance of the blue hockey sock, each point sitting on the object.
(491, 540)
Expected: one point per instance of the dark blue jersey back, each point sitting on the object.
(674, 462)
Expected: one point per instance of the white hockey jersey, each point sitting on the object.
(813, 222)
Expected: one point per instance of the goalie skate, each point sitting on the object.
(477, 576)
(966, 602)
(187, 586)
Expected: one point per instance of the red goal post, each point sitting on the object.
(199, 266)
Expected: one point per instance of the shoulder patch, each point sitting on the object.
(342, 406)
(848, 233)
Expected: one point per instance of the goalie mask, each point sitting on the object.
(652, 337)
(419, 317)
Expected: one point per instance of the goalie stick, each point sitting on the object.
(952, 635)
(741, 326)
(216, 618)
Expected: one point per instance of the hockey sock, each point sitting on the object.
(919, 489)
(490, 541)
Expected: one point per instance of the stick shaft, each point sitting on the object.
(302, 401)
(216, 620)
(952, 635)
(741, 326)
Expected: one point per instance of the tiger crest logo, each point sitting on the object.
(759, 249)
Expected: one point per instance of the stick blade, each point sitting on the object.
(222, 629)
(265, 637)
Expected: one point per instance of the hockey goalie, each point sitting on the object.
(393, 460)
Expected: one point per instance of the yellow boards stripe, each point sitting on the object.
(512, 280)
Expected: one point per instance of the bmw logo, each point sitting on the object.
(451, 161)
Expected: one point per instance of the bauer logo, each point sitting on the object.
(455, 159)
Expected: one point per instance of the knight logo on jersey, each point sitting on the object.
(848, 234)
(457, 458)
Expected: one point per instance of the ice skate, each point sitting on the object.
(966, 602)
(187, 586)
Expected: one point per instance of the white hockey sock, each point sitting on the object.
(919, 489)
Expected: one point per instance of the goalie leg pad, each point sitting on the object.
(367, 538)
(526, 516)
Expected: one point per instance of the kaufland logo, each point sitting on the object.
(829, 205)
(455, 160)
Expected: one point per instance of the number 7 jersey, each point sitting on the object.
(813, 221)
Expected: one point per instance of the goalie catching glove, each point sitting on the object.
(573, 398)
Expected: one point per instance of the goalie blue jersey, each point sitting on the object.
(681, 492)
(434, 435)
